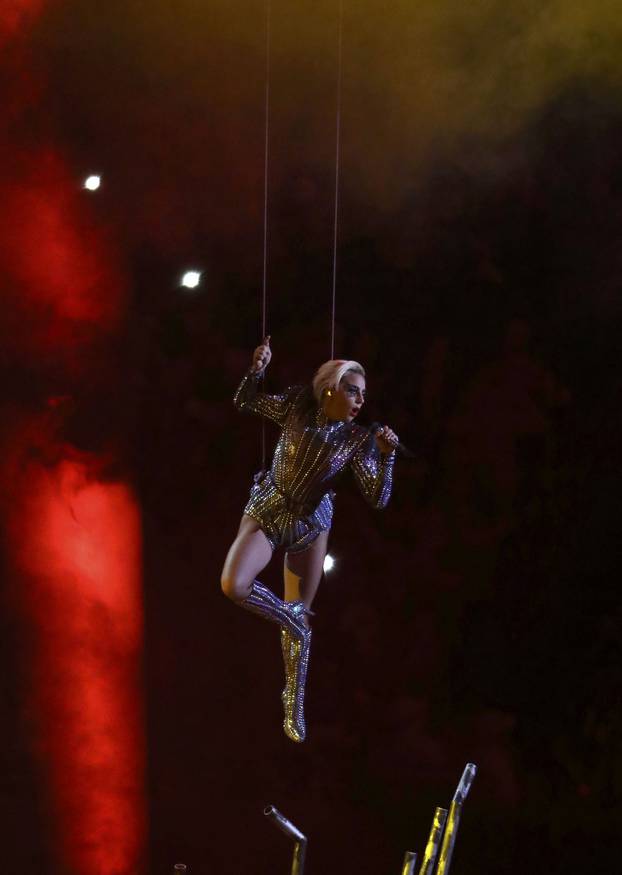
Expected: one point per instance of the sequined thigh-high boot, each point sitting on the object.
(286, 650)
(290, 664)
(296, 658)
(290, 616)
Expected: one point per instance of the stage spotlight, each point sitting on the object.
(329, 563)
(92, 183)
(191, 279)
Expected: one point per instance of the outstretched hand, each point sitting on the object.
(262, 356)
(386, 439)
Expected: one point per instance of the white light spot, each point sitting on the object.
(191, 279)
(329, 563)
(92, 183)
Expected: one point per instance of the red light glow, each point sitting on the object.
(75, 545)
(16, 13)
(63, 270)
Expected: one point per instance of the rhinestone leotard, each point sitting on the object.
(293, 501)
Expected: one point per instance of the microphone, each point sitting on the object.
(399, 447)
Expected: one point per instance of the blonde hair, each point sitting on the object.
(331, 373)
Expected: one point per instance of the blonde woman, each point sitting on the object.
(291, 505)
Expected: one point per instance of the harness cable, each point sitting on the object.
(337, 175)
(264, 296)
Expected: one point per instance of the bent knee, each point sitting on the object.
(235, 588)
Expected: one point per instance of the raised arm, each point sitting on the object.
(274, 407)
(373, 471)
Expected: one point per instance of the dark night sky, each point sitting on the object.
(477, 618)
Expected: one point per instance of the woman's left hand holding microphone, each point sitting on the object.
(386, 440)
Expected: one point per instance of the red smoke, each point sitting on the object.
(75, 548)
(65, 285)
(73, 538)
(14, 14)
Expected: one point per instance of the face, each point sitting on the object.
(345, 402)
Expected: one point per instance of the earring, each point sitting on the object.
(329, 393)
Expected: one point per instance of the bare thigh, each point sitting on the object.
(247, 557)
(303, 571)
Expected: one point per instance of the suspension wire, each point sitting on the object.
(264, 296)
(264, 300)
(337, 175)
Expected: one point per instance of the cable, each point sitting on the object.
(337, 175)
(264, 296)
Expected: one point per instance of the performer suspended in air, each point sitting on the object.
(291, 505)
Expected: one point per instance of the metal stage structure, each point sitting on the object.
(438, 851)
(441, 840)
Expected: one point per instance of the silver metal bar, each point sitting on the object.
(286, 826)
(434, 842)
(410, 861)
(468, 776)
(453, 821)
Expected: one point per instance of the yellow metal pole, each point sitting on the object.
(434, 841)
(453, 821)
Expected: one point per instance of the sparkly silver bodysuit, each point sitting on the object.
(293, 501)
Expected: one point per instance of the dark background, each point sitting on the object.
(478, 617)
